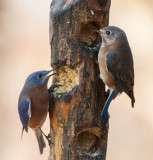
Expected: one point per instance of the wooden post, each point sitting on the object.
(75, 128)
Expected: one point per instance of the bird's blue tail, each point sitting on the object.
(106, 106)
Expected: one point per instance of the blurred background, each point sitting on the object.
(24, 48)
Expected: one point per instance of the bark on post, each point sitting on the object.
(75, 128)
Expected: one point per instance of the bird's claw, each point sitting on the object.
(107, 93)
(51, 89)
(47, 137)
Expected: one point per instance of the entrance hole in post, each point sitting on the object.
(87, 35)
(88, 141)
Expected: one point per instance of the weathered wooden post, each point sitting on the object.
(75, 127)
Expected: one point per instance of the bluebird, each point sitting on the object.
(116, 65)
(33, 104)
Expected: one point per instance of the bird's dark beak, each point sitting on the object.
(98, 31)
(49, 75)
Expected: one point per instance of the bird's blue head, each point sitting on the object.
(38, 78)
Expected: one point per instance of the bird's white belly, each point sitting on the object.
(102, 77)
(107, 79)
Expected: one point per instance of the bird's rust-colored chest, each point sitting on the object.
(39, 108)
(105, 75)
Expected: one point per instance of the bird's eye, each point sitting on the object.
(108, 32)
(39, 76)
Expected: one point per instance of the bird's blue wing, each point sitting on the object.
(24, 109)
(114, 65)
(123, 75)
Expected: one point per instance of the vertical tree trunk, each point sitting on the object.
(76, 130)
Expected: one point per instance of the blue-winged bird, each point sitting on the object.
(116, 65)
(33, 104)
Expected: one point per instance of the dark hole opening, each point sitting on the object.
(88, 37)
(87, 142)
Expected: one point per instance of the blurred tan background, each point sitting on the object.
(24, 48)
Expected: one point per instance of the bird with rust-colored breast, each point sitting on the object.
(116, 65)
(33, 104)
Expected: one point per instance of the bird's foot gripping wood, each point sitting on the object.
(107, 93)
(51, 89)
(47, 137)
